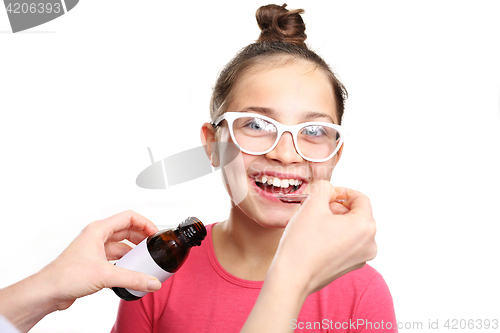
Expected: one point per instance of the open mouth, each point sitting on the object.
(278, 186)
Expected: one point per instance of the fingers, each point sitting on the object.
(115, 251)
(355, 208)
(125, 220)
(338, 208)
(124, 278)
(321, 192)
(135, 236)
(355, 201)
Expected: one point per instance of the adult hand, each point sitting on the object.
(81, 269)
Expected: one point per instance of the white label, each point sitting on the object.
(139, 260)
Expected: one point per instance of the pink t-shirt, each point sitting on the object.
(203, 297)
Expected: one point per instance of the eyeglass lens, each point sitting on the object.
(258, 135)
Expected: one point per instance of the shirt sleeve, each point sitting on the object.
(375, 310)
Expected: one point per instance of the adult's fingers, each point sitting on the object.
(125, 220)
(133, 235)
(124, 278)
(115, 251)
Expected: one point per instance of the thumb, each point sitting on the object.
(321, 192)
(124, 278)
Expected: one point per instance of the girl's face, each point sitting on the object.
(291, 94)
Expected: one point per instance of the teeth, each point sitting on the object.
(278, 182)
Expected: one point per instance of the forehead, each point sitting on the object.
(292, 89)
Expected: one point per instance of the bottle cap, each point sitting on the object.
(193, 231)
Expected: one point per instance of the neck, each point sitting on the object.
(243, 247)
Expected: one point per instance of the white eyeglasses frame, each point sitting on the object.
(230, 117)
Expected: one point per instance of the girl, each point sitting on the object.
(281, 106)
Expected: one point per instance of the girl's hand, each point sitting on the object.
(325, 239)
(322, 242)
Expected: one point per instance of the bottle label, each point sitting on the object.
(139, 260)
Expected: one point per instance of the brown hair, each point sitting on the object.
(282, 39)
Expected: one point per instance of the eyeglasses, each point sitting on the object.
(256, 134)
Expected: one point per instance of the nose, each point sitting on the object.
(285, 151)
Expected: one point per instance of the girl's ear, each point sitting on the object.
(209, 142)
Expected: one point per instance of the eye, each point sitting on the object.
(313, 130)
(258, 124)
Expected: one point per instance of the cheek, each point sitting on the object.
(234, 176)
(252, 163)
(235, 168)
(322, 170)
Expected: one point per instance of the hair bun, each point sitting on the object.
(280, 24)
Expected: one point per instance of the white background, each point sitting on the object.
(83, 96)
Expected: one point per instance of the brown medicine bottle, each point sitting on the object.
(161, 254)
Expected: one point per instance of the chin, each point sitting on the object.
(262, 206)
(268, 216)
(272, 224)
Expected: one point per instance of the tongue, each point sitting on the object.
(276, 189)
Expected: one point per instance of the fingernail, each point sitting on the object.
(154, 285)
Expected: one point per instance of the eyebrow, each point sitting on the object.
(262, 110)
(269, 112)
(315, 115)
